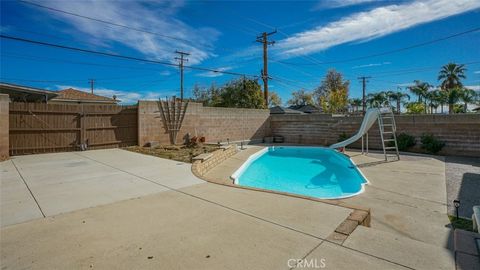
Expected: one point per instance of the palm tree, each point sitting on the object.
(355, 103)
(453, 96)
(421, 90)
(398, 97)
(451, 75)
(467, 96)
(376, 99)
(433, 100)
(442, 98)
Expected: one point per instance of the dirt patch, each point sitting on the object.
(174, 152)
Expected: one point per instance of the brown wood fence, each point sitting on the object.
(43, 128)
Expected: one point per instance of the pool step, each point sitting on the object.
(400, 249)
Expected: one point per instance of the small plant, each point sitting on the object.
(431, 144)
(404, 141)
(342, 137)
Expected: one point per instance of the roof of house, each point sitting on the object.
(71, 94)
(26, 93)
(305, 108)
(282, 110)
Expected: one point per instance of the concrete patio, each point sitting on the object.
(158, 215)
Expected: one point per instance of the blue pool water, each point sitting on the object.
(310, 171)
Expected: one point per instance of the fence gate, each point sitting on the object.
(44, 128)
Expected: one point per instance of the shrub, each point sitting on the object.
(404, 141)
(431, 144)
(342, 137)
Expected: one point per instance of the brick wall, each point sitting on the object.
(214, 123)
(4, 126)
(201, 166)
(460, 132)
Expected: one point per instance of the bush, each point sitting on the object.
(431, 144)
(342, 137)
(404, 141)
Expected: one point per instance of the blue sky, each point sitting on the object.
(221, 35)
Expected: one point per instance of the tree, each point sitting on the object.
(415, 107)
(332, 94)
(376, 99)
(433, 101)
(274, 99)
(301, 97)
(453, 96)
(467, 96)
(355, 103)
(451, 75)
(208, 97)
(242, 93)
(421, 89)
(398, 97)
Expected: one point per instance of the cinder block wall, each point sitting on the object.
(4, 126)
(214, 123)
(460, 132)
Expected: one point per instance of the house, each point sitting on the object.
(282, 110)
(21, 93)
(305, 108)
(75, 96)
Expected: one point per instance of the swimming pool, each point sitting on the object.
(310, 171)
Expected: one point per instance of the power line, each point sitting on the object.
(391, 51)
(114, 24)
(119, 55)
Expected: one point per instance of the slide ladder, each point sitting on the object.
(388, 130)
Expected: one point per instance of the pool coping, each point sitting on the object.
(335, 202)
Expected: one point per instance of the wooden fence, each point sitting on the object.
(43, 128)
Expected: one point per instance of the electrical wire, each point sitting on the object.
(390, 51)
(119, 56)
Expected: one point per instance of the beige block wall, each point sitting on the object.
(4, 126)
(460, 132)
(214, 123)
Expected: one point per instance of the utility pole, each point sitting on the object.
(364, 86)
(263, 38)
(92, 83)
(180, 65)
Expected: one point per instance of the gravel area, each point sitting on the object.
(463, 183)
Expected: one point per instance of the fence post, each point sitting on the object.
(4, 124)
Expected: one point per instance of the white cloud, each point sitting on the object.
(211, 74)
(125, 97)
(165, 73)
(371, 65)
(406, 84)
(371, 24)
(340, 3)
(476, 72)
(158, 17)
(473, 87)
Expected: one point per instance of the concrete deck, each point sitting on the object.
(180, 222)
(35, 186)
